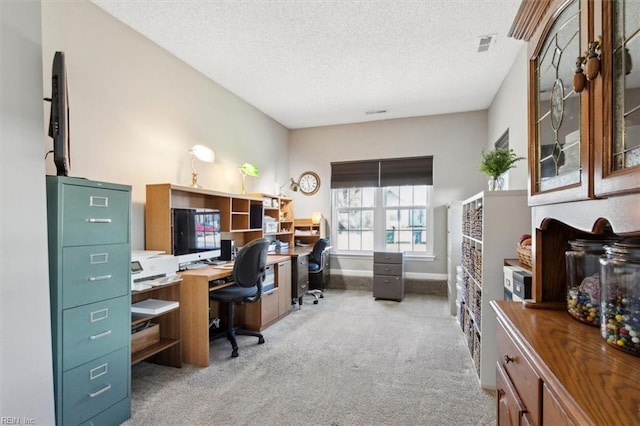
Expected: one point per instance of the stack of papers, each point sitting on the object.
(153, 306)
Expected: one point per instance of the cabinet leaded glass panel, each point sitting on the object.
(626, 85)
(558, 107)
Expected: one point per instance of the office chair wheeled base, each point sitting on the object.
(231, 333)
(316, 294)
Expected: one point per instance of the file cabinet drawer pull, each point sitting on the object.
(99, 392)
(98, 220)
(104, 314)
(98, 258)
(100, 370)
(100, 278)
(95, 201)
(99, 335)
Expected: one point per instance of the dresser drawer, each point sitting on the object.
(387, 269)
(387, 257)
(90, 331)
(524, 379)
(92, 273)
(94, 216)
(95, 386)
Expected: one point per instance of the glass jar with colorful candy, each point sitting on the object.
(620, 296)
(583, 279)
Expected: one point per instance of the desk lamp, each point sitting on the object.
(203, 154)
(247, 170)
(293, 185)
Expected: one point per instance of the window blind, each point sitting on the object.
(384, 172)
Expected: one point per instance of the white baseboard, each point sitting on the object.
(407, 275)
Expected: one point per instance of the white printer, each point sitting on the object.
(152, 268)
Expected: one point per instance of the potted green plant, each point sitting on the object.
(494, 163)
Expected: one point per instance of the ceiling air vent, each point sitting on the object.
(485, 42)
(376, 111)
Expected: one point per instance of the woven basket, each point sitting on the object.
(524, 255)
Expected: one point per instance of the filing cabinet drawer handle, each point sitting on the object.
(98, 258)
(99, 335)
(95, 201)
(100, 278)
(100, 370)
(508, 359)
(99, 392)
(98, 220)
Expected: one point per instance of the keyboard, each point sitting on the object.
(196, 266)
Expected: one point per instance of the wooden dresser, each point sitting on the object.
(554, 370)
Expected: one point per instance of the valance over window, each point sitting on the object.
(386, 172)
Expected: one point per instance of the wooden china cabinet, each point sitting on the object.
(584, 182)
(584, 144)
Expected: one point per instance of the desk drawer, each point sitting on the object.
(387, 257)
(387, 269)
(94, 216)
(90, 331)
(92, 273)
(269, 306)
(524, 379)
(95, 386)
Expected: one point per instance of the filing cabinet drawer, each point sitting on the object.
(388, 287)
(95, 386)
(94, 216)
(92, 273)
(524, 379)
(92, 330)
(387, 269)
(387, 257)
(269, 306)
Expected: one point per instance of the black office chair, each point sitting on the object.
(316, 265)
(248, 274)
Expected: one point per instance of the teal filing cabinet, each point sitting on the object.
(90, 285)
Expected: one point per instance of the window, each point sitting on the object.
(383, 205)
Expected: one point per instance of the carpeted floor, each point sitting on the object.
(350, 360)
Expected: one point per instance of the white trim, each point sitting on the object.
(407, 275)
(362, 255)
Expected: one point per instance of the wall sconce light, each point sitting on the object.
(247, 170)
(293, 185)
(203, 154)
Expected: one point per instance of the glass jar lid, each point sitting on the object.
(627, 249)
(591, 245)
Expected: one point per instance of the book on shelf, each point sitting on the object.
(153, 306)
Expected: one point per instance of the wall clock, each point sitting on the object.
(309, 183)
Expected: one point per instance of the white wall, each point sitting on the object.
(136, 110)
(454, 140)
(26, 384)
(508, 110)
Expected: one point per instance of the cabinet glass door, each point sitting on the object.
(559, 158)
(620, 154)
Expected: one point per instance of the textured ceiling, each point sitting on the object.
(316, 62)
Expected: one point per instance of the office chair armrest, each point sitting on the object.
(258, 294)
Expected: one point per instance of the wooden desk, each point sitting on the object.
(194, 312)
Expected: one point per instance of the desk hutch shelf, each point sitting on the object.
(235, 213)
(167, 350)
(280, 211)
(306, 231)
